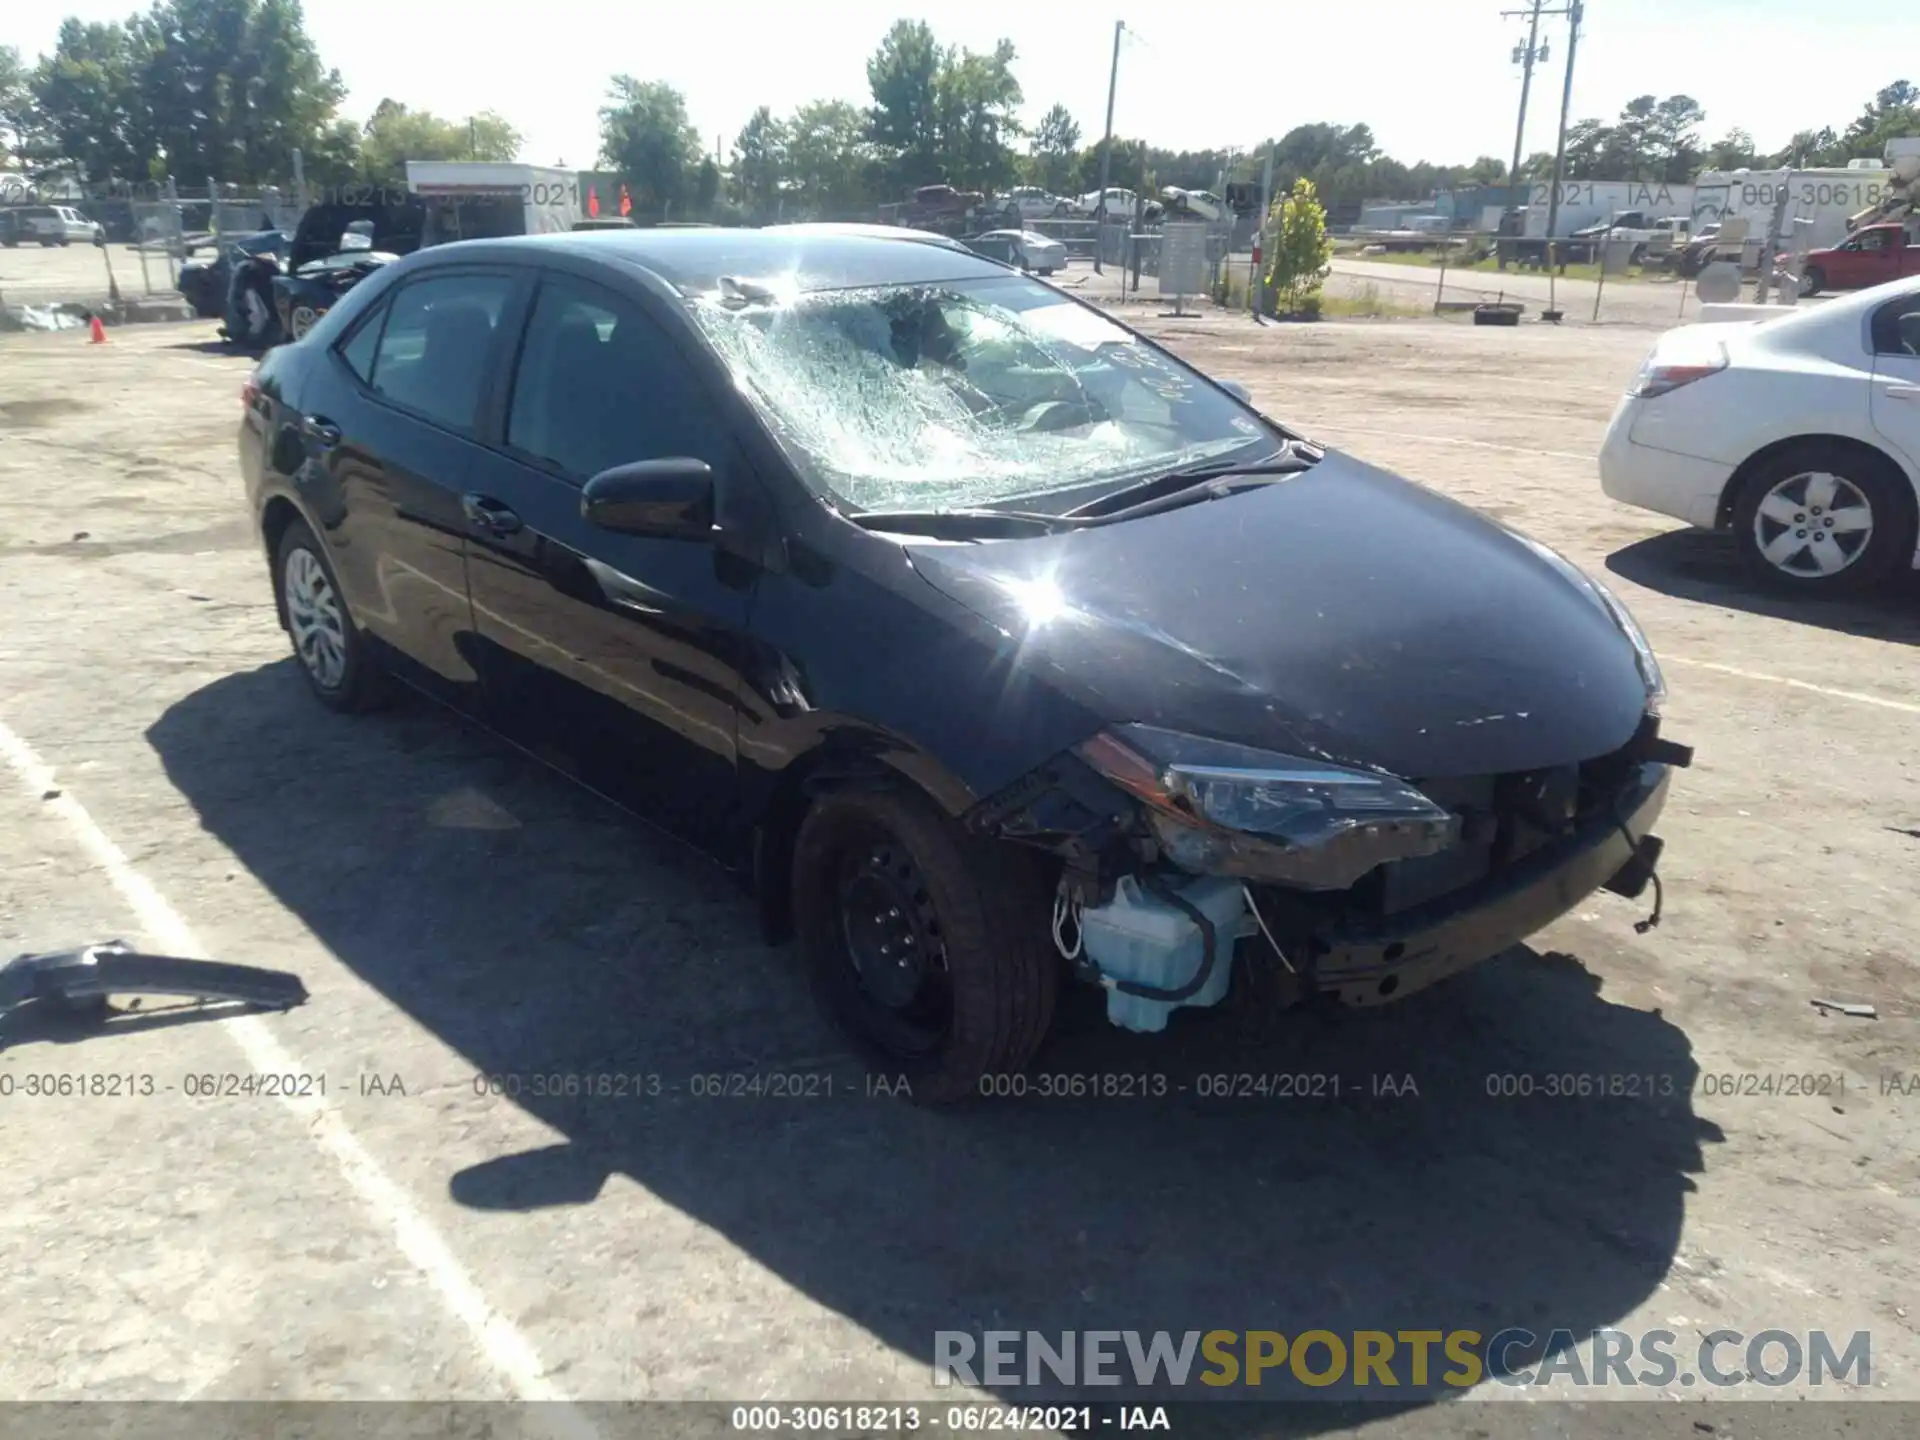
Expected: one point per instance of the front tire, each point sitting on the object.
(1812, 282)
(1824, 519)
(928, 945)
(328, 646)
(303, 319)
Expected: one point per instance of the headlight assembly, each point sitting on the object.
(1225, 809)
(1616, 609)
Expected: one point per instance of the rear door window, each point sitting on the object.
(434, 350)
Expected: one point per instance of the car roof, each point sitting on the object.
(1842, 315)
(815, 258)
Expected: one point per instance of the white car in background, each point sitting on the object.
(1030, 202)
(1800, 433)
(1193, 204)
(1023, 248)
(58, 225)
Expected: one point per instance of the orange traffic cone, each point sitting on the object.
(97, 333)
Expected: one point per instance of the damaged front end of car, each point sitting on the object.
(1183, 859)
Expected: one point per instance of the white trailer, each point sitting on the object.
(473, 199)
(1827, 198)
(1585, 203)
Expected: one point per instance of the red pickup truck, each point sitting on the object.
(1872, 255)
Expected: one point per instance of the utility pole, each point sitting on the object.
(1106, 148)
(1574, 12)
(1526, 55)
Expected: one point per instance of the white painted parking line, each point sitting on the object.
(1906, 707)
(505, 1347)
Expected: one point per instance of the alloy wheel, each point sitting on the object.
(303, 319)
(316, 619)
(1813, 525)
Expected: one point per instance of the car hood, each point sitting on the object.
(1344, 613)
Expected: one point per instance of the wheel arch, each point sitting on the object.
(842, 759)
(1730, 493)
(277, 516)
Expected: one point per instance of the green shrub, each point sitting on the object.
(1299, 251)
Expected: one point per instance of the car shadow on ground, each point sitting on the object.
(1705, 565)
(206, 347)
(535, 931)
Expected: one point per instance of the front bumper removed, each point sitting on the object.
(1375, 962)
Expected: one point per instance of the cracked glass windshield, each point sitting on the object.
(967, 393)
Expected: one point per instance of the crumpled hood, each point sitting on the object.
(1342, 613)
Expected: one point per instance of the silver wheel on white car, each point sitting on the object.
(1824, 517)
(1813, 525)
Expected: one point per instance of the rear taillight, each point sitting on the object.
(249, 392)
(1661, 375)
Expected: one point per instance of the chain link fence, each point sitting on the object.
(151, 230)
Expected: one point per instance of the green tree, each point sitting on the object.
(1301, 250)
(227, 89)
(1487, 170)
(395, 134)
(832, 168)
(1672, 139)
(977, 116)
(646, 136)
(17, 116)
(84, 94)
(759, 163)
(1811, 149)
(706, 185)
(1732, 151)
(1056, 148)
(902, 74)
(1892, 114)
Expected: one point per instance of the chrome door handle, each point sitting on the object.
(320, 434)
(483, 512)
(1903, 392)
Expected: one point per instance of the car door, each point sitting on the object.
(1895, 332)
(614, 656)
(389, 418)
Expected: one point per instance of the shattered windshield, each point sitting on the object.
(965, 393)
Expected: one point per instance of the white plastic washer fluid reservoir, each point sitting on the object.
(1141, 938)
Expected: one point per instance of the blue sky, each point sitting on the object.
(1433, 77)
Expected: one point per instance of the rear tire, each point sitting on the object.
(1822, 519)
(1812, 282)
(332, 655)
(926, 944)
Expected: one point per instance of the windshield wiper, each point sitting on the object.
(1291, 459)
(962, 524)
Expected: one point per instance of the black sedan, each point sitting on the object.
(998, 648)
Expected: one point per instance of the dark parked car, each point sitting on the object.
(205, 283)
(998, 647)
(324, 262)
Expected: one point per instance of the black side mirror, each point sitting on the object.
(670, 499)
(1237, 390)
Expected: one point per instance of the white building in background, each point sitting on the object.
(1595, 202)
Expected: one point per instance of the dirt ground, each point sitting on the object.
(458, 913)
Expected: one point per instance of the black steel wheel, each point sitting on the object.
(927, 945)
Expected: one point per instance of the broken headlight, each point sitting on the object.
(1617, 611)
(1225, 809)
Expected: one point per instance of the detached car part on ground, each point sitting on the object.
(996, 646)
(1799, 434)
